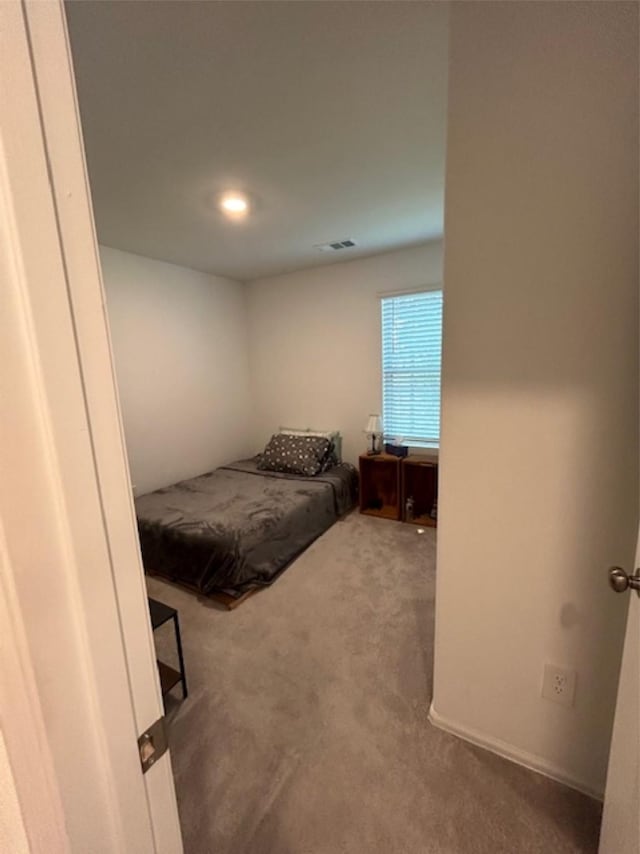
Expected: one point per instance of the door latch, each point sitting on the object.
(153, 744)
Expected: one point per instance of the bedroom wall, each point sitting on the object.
(179, 339)
(314, 342)
(539, 451)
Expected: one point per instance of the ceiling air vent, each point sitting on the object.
(335, 245)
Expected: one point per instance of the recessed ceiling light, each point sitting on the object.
(234, 204)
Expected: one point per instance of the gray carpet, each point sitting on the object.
(306, 731)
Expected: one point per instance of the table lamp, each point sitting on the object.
(374, 435)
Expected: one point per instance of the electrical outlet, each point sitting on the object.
(559, 685)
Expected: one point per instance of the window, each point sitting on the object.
(411, 359)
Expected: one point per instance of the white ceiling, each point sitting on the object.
(330, 115)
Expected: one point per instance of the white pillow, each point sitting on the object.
(292, 431)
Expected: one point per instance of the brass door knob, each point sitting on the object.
(619, 580)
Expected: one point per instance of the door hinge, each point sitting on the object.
(153, 744)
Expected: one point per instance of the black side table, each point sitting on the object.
(169, 677)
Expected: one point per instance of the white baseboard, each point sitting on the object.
(514, 754)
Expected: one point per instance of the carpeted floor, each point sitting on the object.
(306, 731)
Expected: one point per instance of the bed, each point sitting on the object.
(235, 529)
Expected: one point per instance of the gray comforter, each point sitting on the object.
(236, 527)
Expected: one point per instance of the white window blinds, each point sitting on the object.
(411, 360)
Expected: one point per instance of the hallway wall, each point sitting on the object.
(539, 452)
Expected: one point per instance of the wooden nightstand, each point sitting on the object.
(419, 482)
(380, 485)
(386, 482)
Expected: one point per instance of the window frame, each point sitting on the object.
(382, 295)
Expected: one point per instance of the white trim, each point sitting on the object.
(47, 487)
(423, 450)
(23, 727)
(87, 303)
(512, 753)
(53, 442)
(423, 289)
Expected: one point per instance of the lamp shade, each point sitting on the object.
(374, 424)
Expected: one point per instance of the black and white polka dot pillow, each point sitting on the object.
(295, 454)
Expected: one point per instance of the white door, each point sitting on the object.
(621, 819)
(72, 578)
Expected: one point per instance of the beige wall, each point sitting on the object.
(13, 835)
(539, 455)
(183, 342)
(315, 342)
(180, 345)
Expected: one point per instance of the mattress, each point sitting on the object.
(236, 528)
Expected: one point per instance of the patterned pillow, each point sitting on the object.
(294, 454)
(333, 436)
